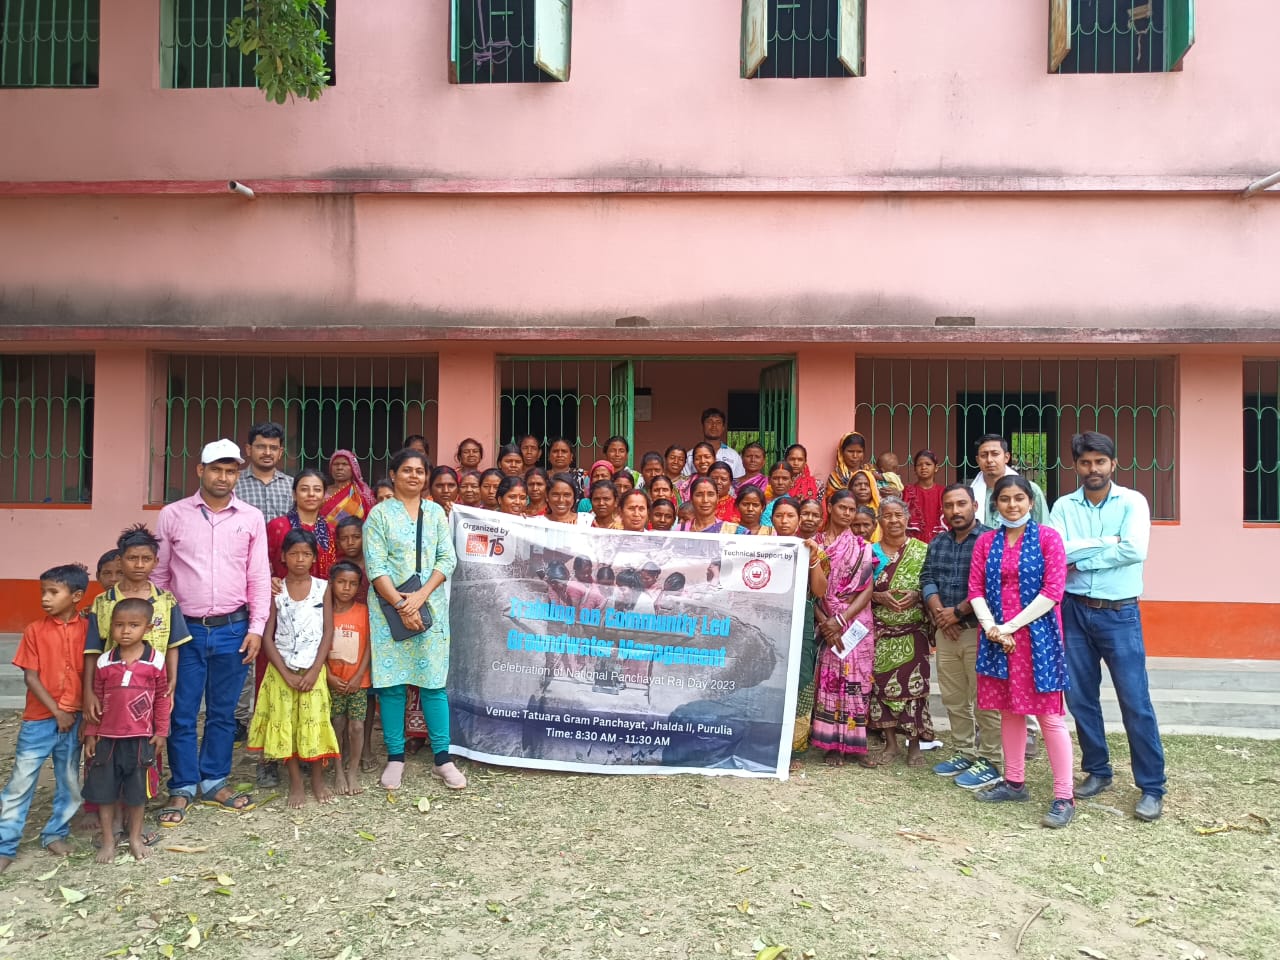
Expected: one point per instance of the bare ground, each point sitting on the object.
(843, 863)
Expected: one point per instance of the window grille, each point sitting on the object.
(1119, 36)
(803, 38)
(46, 428)
(909, 404)
(49, 43)
(585, 400)
(509, 41)
(195, 52)
(364, 404)
(1262, 441)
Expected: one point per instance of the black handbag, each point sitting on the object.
(398, 630)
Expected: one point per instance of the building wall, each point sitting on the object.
(951, 89)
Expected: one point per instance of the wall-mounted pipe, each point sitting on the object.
(235, 186)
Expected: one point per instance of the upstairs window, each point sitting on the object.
(196, 54)
(49, 44)
(1119, 36)
(509, 41)
(803, 38)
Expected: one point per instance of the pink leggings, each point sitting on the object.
(1057, 743)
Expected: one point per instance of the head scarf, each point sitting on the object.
(875, 490)
(841, 475)
(355, 499)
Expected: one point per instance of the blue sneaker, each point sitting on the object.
(1060, 814)
(1003, 793)
(956, 765)
(980, 774)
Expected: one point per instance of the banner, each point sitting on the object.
(604, 651)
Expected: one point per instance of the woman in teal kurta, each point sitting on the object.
(390, 537)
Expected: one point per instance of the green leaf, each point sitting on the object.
(365, 835)
(772, 953)
(72, 896)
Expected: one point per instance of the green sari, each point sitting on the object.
(903, 644)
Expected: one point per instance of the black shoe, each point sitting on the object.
(1092, 786)
(242, 734)
(1149, 807)
(268, 774)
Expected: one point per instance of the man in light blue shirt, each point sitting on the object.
(1105, 529)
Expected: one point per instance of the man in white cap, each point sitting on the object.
(213, 557)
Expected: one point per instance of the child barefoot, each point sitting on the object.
(132, 691)
(348, 670)
(291, 721)
(49, 656)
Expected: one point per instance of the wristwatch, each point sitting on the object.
(403, 601)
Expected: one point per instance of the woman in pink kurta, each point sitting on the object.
(1016, 581)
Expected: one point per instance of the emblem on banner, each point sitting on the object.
(484, 545)
(756, 574)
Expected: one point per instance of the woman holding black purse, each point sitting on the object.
(408, 554)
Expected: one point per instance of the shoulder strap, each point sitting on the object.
(417, 563)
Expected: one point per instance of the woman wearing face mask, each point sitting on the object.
(1016, 581)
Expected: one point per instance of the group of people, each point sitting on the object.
(263, 570)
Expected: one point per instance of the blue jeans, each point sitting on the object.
(38, 740)
(209, 669)
(1114, 637)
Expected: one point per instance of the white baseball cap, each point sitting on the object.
(221, 450)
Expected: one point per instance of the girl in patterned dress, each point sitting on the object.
(291, 721)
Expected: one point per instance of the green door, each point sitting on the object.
(622, 395)
(778, 408)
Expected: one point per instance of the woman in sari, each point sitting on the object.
(750, 507)
(347, 494)
(703, 456)
(469, 489)
(804, 485)
(600, 470)
(704, 497)
(536, 482)
(779, 485)
(633, 511)
(673, 461)
(862, 484)
(866, 524)
(843, 686)
(721, 475)
(787, 513)
(661, 488)
(618, 451)
(851, 456)
(904, 637)
(513, 496)
(511, 461)
(444, 488)
(470, 455)
(490, 480)
(305, 514)
(662, 515)
(812, 517)
(651, 467)
(562, 499)
(604, 505)
(924, 498)
(561, 459)
(753, 462)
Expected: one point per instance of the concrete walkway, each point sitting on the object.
(1233, 698)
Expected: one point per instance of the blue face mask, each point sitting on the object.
(1016, 523)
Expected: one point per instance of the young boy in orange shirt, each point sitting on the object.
(51, 657)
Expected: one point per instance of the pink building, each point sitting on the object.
(1029, 218)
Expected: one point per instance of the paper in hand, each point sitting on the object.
(853, 635)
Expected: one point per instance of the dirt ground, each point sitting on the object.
(839, 863)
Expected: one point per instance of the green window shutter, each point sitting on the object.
(1179, 31)
(622, 397)
(1059, 32)
(552, 31)
(453, 42)
(852, 36)
(755, 36)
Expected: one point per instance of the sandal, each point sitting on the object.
(231, 802)
(174, 816)
(120, 838)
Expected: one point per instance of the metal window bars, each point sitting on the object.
(1118, 36)
(494, 42)
(49, 43)
(195, 52)
(1262, 441)
(366, 404)
(945, 405)
(46, 428)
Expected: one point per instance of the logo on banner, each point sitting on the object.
(484, 545)
(756, 574)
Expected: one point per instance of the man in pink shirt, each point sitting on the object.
(213, 557)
